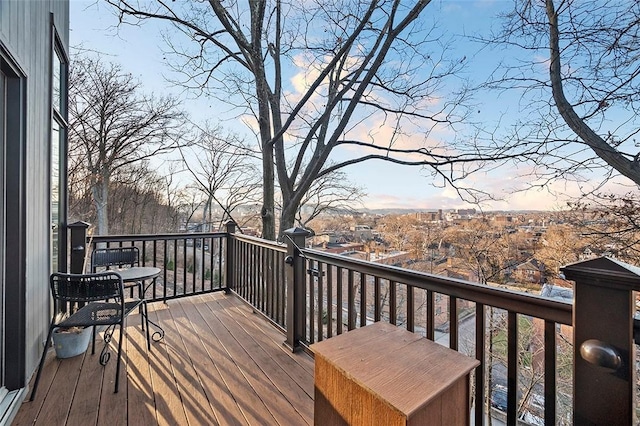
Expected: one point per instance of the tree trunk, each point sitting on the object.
(264, 122)
(268, 190)
(100, 191)
(615, 159)
(287, 217)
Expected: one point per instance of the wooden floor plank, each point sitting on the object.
(218, 364)
(55, 408)
(230, 364)
(141, 408)
(113, 406)
(272, 342)
(254, 366)
(270, 359)
(84, 408)
(30, 410)
(169, 408)
(267, 334)
(183, 341)
(220, 396)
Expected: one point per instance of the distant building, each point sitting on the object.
(341, 248)
(394, 257)
(430, 216)
(565, 332)
(587, 254)
(466, 212)
(362, 233)
(531, 271)
(502, 219)
(322, 239)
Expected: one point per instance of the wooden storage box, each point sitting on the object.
(385, 375)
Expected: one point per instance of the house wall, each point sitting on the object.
(26, 37)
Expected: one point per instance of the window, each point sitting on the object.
(13, 229)
(57, 73)
(3, 102)
(55, 193)
(59, 69)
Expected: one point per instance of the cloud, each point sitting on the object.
(409, 136)
(401, 187)
(448, 199)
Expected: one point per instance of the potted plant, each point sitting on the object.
(71, 341)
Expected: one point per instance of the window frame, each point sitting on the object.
(59, 116)
(15, 222)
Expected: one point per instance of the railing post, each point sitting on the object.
(230, 258)
(604, 353)
(78, 246)
(295, 316)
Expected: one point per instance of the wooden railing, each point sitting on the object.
(342, 293)
(191, 263)
(259, 276)
(312, 295)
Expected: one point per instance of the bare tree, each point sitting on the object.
(580, 85)
(188, 201)
(560, 245)
(370, 84)
(329, 193)
(609, 224)
(173, 196)
(223, 169)
(81, 205)
(112, 125)
(486, 250)
(396, 230)
(137, 204)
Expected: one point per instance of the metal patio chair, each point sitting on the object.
(119, 257)
(91, 300)
(105, 259)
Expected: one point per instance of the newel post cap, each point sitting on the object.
(79, 224)
(297, 231)
(604, 272)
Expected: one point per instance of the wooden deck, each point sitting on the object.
(218, 364)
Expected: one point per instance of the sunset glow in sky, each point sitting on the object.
(139, 50)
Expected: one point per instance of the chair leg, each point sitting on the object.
(44, 355)
(93, 340)
(144, 314)
(145, 319)
(141, 309)
(119, 361)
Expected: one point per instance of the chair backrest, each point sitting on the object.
(117, 256)
(86, 287)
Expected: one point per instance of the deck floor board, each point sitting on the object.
(265, 375)
(218, 364)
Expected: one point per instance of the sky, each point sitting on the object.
(140, 52)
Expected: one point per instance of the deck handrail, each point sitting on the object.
(191, 263)
(526, 304)
(154, 237)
